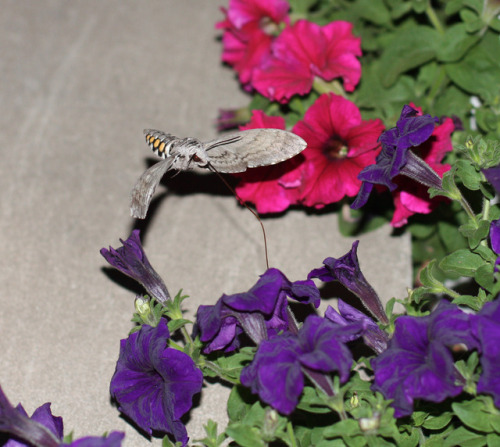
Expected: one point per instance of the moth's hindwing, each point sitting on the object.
(252, 148)
(159, 142)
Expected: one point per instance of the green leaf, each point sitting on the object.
(346, 427)
(245, 436)
(462, 262)
(311, 402)
(468, 174)
(438, 422)
(472, 21)
(428, 280)
(301, 6)
(464, 438)
(451, 238)
(485, 278)
(477, 415)
(411, 46)
(239, 403)
(479, 71)
(486, 253)
(419, 6)
(475, 232)
(174, 325)
(373, 11)
(474, 302)
(455, 43)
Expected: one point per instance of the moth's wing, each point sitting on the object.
(252, 148)
(144, 188)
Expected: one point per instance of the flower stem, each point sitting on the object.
(468, 209)
(433, 18)
(321, 86)
(220, 373)
(291, 434)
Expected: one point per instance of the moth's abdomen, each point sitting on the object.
(160, 142)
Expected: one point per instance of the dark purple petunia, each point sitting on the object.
(486, 328)
(396, 158)
(114, 439)
(493, 177)
(418, 363)
(131, 260)
(260, 313)
(277, 371)
(153, 384)
(373, 336)
(495, 240)
(346, 271)
(41, 429)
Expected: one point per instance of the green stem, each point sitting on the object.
(291, 434)
(439, 82)
(220, 373)
(321, 86)
(486, 208)
(433, 18)
(468, 209)
(187, 337)
(451, 293)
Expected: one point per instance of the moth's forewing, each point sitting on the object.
(144, 188)
(252, 148)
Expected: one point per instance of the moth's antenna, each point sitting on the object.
(246, 206)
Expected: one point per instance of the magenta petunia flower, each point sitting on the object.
(339, 145)
(249, 30)
(411, 197)
(271, 188)
(305, 51)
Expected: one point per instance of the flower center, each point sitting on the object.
(335, 148)
(269, 27)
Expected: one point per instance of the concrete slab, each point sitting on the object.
(80, 80)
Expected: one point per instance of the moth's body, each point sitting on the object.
(185, 152)
(229, 154)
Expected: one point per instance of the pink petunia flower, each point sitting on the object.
(412, 198)
(307, 50)
(250, 26)
(339, 145)
(271, 188)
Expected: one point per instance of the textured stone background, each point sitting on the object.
(80, 80)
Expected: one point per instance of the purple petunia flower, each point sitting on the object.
(373, 336)
(43, 429)
(277, 371)
(486, 328)
(495, 240)
(493, 177)
(153, 384)
(418, 363)
(260, 313)
(131, 260)
(396, 158)
(346, 271)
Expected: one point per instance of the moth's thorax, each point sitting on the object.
(187, 153)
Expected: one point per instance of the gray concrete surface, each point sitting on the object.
(80, 80)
